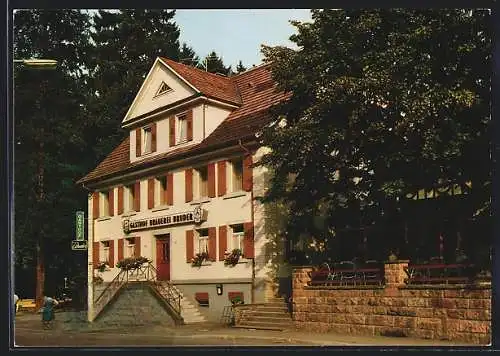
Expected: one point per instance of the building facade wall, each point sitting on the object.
(231, 208)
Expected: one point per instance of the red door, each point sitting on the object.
(163, 257)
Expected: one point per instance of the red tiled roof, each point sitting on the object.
(256, 88)
(214, 85)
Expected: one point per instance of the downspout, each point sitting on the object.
(253, 222)
(90, 267)
(203, 120)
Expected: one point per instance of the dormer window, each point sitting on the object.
(164, 88)
(182, 128)
(147, 137)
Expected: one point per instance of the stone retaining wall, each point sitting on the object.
(457, 313)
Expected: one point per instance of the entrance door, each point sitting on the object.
(163, 257)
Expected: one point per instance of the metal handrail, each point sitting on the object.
(110, 290)
(167, 290)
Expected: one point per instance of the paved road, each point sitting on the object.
(29, 332)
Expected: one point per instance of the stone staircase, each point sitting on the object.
(272, 315)
(189, 310)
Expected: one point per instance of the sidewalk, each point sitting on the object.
(68, 324)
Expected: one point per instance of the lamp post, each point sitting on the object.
(38, 64)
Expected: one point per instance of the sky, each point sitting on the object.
(237, 34)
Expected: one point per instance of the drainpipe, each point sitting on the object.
(253, 221)
(90, 267)
(203, 119)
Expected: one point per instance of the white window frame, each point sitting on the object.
(129, 247)
(202, 236)
(104, 203)
(104, 252)
(147, 139)
(159, 198)
(181, 121)
(240, 234)
(231, 178)
(197, 182)
(129, 198)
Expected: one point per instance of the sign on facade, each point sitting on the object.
(196, 216)
(80, 225)
(79, 245)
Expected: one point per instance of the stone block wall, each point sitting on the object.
(456, 313)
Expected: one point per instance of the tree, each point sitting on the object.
(240, 68)
(126, 44)
(384, 102)
(48, 121)
(188, 55)
(214, 64)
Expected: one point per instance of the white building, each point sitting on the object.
(189, 151)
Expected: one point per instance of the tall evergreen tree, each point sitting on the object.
(188, 56)
(127, 43)
(240, 68)
(48, 120)
(215, 64)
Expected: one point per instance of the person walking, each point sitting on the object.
(16, 299)
(48, 311)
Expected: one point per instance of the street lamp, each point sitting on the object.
(38, 63)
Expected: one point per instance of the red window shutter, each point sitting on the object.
(248, 245)
(189, 185)
(151, 193)
(221, 177)
(189, 245)
(137, 196)
(172, 131)
(95, 253)
(120, 200)
(212, 243)
(170, 189)
(120, 249)
(138, 142)
(222, 242)
(247, 173)
(153, 137)
(211, 180)
(137, 246)
(189, 122)
(201, 297)
(95, 205)
(111, 253)
(233, 295)
(111, 202)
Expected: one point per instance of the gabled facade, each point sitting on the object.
(183, 183)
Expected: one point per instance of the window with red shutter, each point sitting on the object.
(137, 196)
(111, 259)
(137, 246)
(151, 193)
(222, 242)
(138, 142)
(170, 189)
(153, 137)
(247, 173)
(189, 123)
(111, 202)
(211, 180)
(120, 200)
(171, 135)
(248, 240)
(189, 245)
(221, 177)
(120, 248)
(212, 243)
